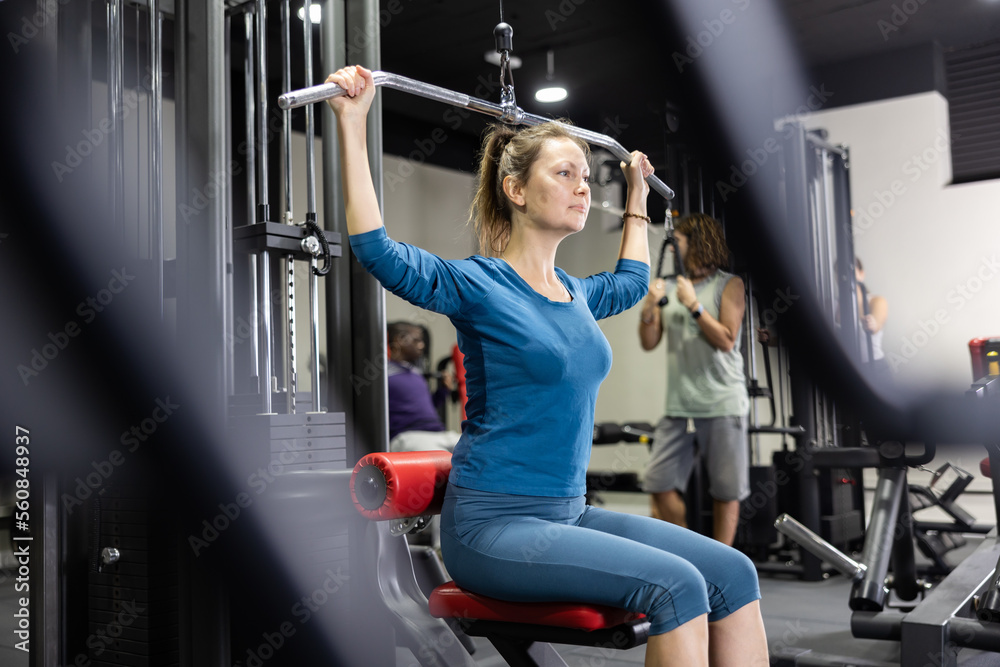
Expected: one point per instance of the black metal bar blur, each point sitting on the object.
(201, 139)
(249, 82)
(228, 296)
(116, 139)
(307, 32)
(846, 281)
(371, 405)
(263, 214)
(286, 116)
(156, 145)
(261, 88)
(339, 391)
(72, 42)
(802, 388)
(287, 214)
(685, 183)
(701, 189)
(307, 47)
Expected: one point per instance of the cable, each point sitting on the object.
(314, 229)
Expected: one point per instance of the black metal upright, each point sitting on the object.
(846, 280)
(802, 388)
(202, 138)
(371, 421)
(355, 320)
(62, 597)
(847, 287)
(339, 343)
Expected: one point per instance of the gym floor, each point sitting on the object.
(798, 616)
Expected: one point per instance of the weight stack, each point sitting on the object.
(132, 602)
(308, 526)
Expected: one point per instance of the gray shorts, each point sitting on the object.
(722, 444)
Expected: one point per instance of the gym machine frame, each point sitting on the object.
(960, 612)
(817, 212)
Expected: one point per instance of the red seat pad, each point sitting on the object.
(414, 483)
(450, 601)
(984, 467)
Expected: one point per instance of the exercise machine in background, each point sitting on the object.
(933, 617)
(815, 192)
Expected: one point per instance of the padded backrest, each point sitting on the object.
(398, 485)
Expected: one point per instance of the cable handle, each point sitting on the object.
(670, 240)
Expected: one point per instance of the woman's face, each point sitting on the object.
(557, 193)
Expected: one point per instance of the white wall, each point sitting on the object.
(932, 249)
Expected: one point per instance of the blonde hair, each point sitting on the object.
(507, 152)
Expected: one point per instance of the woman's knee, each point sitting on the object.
(736, 582)
(741, 567)
(673, 595)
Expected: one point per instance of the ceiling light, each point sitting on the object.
(552, 92)
(315, 13)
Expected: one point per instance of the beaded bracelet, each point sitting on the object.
(635, 215)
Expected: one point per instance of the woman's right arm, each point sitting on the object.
(351, 110)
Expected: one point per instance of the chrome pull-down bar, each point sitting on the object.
(512, 115)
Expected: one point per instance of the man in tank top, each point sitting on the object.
(701, 322)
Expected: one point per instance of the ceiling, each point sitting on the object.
(620, 59)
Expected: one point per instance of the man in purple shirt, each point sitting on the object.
(414, 424)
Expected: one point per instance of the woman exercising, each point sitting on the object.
(515, 525)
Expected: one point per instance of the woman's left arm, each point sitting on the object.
(635, 241)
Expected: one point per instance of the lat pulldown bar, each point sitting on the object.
(507, 113)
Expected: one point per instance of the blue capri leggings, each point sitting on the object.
(532, 548)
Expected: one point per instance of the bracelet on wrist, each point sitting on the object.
(635, 215)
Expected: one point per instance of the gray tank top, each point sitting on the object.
(702, 381)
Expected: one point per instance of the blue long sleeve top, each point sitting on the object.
(533, 366)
